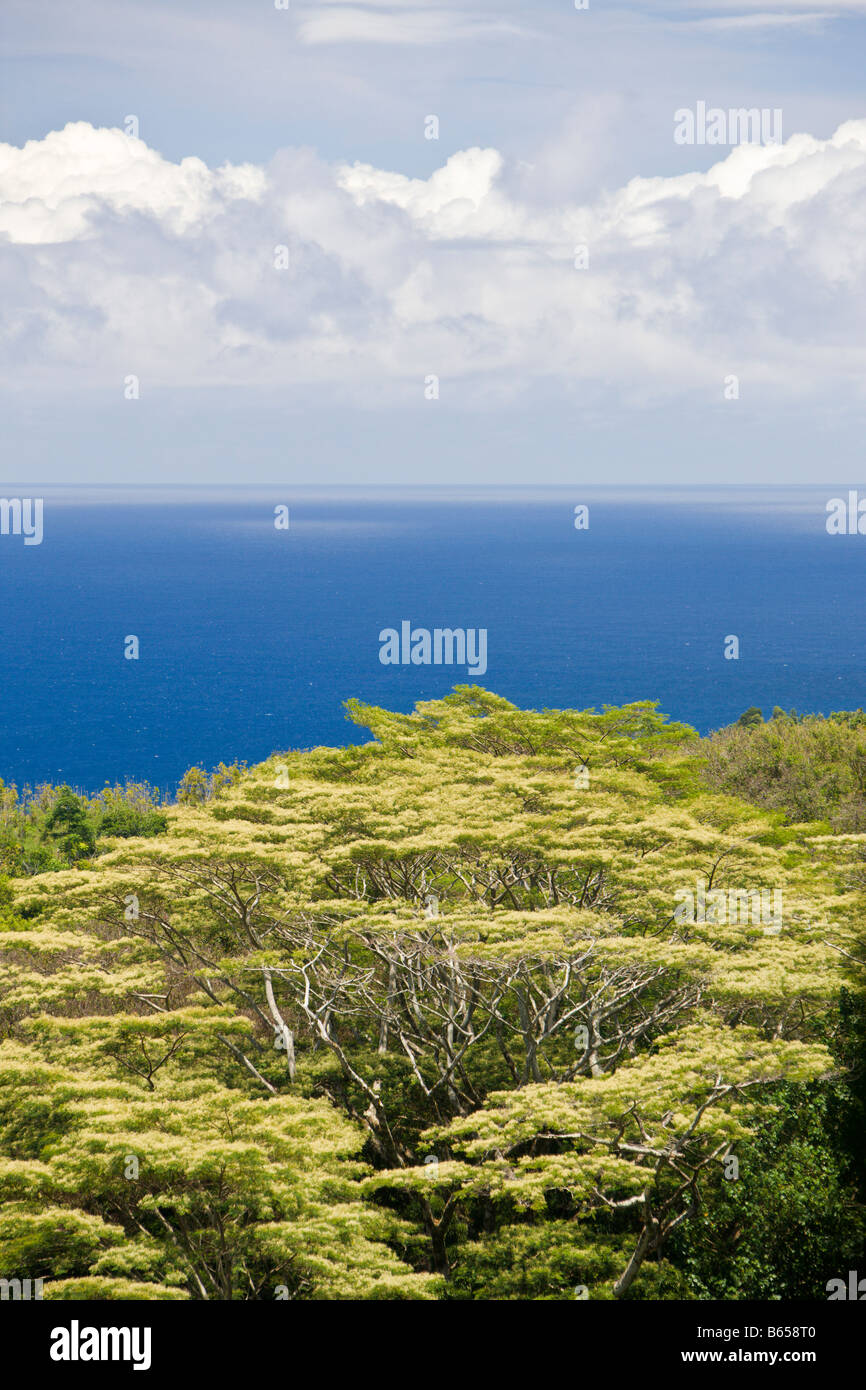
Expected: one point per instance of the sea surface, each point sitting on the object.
(251, 637)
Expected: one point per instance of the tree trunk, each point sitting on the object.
(646, 1244)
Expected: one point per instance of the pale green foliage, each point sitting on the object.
(436, 944)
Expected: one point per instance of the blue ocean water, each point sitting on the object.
(252, 637)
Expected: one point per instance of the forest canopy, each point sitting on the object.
(500, 1004)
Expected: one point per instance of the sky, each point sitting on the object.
(231, 252)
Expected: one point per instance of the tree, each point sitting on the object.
(751, 718)
(67, 825)
(390, 1020)
(193, 788)
(223, 1196)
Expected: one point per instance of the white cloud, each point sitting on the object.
(765, 21)
(780, 7)
(50, 188)
(459, 189)
(114, 260)
(399, 24)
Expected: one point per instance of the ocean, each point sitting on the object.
(251, 637)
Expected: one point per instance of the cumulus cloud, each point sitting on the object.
(114, 260)
(50, 188)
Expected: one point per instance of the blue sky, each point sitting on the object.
(153, 257)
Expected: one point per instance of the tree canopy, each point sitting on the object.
(426, 1018)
